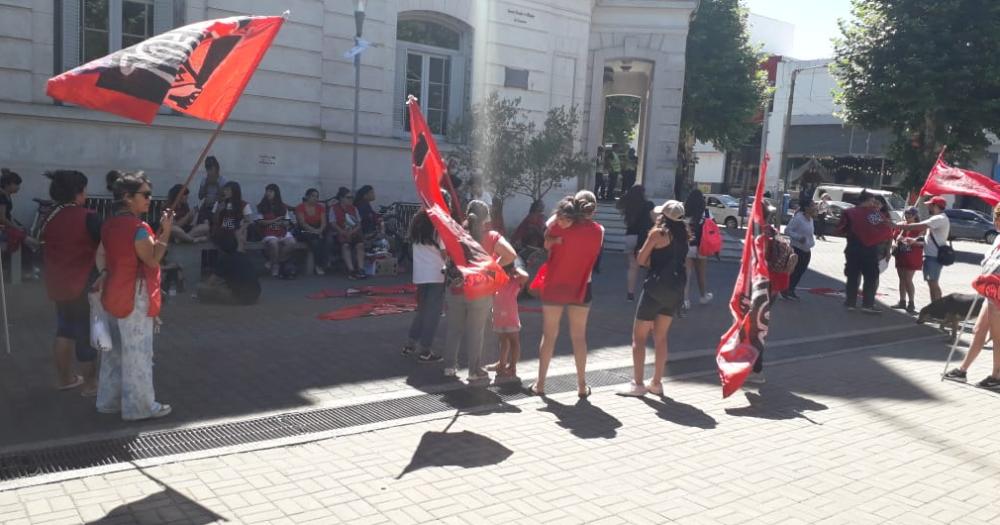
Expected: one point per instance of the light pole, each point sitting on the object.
(359, 22)
(782, 165)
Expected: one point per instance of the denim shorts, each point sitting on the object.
(932, 269)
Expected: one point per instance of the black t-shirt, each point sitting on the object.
(642, 222)
(240, 276)
(663, 260)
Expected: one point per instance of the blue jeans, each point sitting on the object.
(430, 301)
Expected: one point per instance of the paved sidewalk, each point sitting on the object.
(861, 437)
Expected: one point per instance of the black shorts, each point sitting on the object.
(73, 322)
(649, 308)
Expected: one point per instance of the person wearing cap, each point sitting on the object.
(938, 229)
(663, 254)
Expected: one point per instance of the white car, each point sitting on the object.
(725, 209)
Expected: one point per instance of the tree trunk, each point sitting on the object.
(496, 214)
(685, 160)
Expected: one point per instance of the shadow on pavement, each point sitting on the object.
(583, 420)
(680, 413)
(167, 506)
(776, 403)
(456, 449)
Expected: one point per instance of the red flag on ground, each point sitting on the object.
(949, 180)
(481, 274)
(199, 70)
(750, 303)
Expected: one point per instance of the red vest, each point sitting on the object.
(118, 237)
(571, 262)
(69, 253)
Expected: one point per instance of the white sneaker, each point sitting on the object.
(632, 389)
(687, 304)
(756, 378)
(655, 388)
(707, 298)
(450, 372)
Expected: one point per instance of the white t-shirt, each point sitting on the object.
(940, 227)
(427, 264)
(247, 211)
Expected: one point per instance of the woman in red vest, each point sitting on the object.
(70, 236)
(574, 241)
(131, 294)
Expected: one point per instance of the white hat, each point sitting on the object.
(673, 210)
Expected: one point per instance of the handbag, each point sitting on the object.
(946, 254)
(100, 331)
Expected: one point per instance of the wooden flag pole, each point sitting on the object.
(197, 164)
(3, 300)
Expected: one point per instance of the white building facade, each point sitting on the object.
(293, 125)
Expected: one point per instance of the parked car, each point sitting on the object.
(850, 194)
(725, 209)
(836, 210)
(969, 224)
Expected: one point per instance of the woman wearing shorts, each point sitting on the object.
(574, 242)
(696, 212)
(664, 254)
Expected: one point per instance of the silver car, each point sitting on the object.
(969, 224)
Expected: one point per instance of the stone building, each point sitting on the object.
(294, 123)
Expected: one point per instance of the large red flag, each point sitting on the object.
(199, 70)
(949, 180)
(480, 271)
(750, 303)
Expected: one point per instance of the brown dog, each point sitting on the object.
(950, 311)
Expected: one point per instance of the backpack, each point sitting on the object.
(711, 239)
(781, 257)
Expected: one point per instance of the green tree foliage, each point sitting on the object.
(724, 87)
(551, 154)
(621, 116)
(926, 70)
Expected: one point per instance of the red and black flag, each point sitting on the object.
(751, 302)
(199, 70)
(481, 274)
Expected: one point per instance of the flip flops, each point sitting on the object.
(76, 382)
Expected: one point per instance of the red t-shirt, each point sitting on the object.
(571, 262)
(341, 212)
(313, 215)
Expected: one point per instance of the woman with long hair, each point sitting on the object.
(311, 218)
(909, 254)
(131, 293)
(428, 275)
(466, 323)
(574, 241)
(638, 213)
(346, 226)
(696, 213)
(663, 253)
(275, 230)
(232, 213)
(70, 235)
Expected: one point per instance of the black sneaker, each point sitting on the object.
(899, 306)
(957, 375)
(850, 307)
(428, 357)
(990, 383)
(408, 350)
(630, 297)
(871, 310)
(911, 309)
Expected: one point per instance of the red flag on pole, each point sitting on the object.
(480, 271)
(949, 180)
(199, 70)
(751, 301)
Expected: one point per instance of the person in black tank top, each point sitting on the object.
(664, 254)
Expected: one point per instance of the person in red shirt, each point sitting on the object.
(865, 227)
(279, 243)
(130, 254)
(574, 241)
(909, 254)
(70, 235)
(345, 224)
(311, 216)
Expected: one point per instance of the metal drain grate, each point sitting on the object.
(169, 442)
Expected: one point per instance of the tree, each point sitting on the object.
(492, 145)
(550, 154)
(724, 87)
(621, 115)
(925, 70)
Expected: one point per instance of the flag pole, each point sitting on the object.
(197, 164)
(3, 300)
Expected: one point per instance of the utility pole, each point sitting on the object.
(359, 22)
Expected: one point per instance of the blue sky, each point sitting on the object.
(815, 22)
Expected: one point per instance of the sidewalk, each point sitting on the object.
(868, 436)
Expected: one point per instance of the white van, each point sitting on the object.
(850, 194)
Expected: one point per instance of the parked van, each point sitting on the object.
(850, 194)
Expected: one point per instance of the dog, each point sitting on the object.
(950, 311)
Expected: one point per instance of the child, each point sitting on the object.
(428, 275)
(507, 323)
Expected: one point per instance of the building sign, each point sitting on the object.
(267, 160)
(521, 17)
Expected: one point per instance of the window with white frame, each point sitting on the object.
(91, 29)
(432, 60)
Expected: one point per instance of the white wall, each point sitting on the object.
(776, 37)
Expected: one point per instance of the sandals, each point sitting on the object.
(533, 391)
(585, 394)
(76, 382)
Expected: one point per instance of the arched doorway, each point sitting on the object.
(624, 123)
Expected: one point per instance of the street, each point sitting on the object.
(853, 425)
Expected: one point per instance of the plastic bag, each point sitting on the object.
(100, 331)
